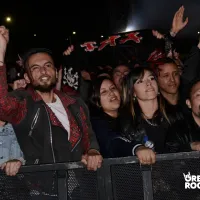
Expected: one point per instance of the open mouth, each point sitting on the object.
(113, 99)
(44, 78)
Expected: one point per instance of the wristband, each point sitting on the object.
(173, 34)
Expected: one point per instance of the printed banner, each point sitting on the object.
(114, 49)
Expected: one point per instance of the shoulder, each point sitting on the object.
(72, 101)
(7, 130)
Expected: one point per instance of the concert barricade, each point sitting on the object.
(174, 176)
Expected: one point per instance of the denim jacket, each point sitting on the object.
(9, 147)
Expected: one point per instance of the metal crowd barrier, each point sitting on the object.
(173, 177)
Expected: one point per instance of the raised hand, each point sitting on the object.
(157, 34)
(68, 51)
(178, 23)
(20, 61)
(19, 84)
(4, 39)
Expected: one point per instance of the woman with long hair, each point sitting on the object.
(148, 122)
(105, 119)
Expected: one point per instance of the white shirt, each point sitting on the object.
(60, 112)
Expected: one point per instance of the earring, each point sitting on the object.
(98, 105)
(158, 93)
(134, 98)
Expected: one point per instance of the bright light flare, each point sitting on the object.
(8, 19)
(130, 28)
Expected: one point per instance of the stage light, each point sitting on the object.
(8, 19)
(130, 28)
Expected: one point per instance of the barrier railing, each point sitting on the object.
(173, 177)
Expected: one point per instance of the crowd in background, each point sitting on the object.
(141, 109)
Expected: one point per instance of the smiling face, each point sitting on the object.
(41, 72)
(109, 96)
(169, 78)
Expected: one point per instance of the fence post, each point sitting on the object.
(147, 182)
(62, 176)
(107, 182)
(101, 183)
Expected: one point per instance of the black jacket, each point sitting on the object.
(194, 128)
(174, 136)
(43, 142)
(108, 132)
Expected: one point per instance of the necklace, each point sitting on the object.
(148, 121)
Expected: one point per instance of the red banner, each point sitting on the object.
(112, 41)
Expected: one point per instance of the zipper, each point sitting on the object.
(81, 130)
(51, 141)
(34, 121)
(51, 138)
(36, 161)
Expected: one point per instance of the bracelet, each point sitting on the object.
(173, 34)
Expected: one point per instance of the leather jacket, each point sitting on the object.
(176, 137)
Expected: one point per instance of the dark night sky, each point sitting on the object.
(54, 21)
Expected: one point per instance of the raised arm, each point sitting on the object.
(12, 109)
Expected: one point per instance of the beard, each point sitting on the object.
(45, 88)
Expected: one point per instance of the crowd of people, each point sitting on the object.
(138, 110)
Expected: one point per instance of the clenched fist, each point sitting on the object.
(4, 38)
